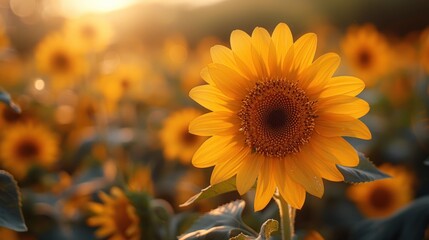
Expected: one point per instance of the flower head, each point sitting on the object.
(116, 217)
(57, 57)
(383, 197)
(24, 145)
(177, 141)
(367, 52)
(278, 117)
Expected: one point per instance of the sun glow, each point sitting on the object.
(77, 7)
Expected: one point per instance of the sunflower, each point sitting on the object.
(116, 217)
(124, 81)
(382, 198)
(56, 56)
(89, 32)
(367, 52)
(6, 233)
(177, 141)
(141, 180)
(278, 117)
(25, 145)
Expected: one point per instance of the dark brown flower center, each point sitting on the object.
(27, 149)
(121, 217)
(277, 118)
(381, 198)
(188, 138)
(364, 58)
(61, 61)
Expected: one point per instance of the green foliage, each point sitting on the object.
(365, 171)
(5, 98)
(10, 203)
(213, 190)
(223, 222)
(409, 223)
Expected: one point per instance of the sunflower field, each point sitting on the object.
(214, 120)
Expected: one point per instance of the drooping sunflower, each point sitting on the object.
(278, 117)
(90, 33)
(367, 52)
(56, 57)
(116, 217)
(178, 143)
(383, 197)
(24, 145)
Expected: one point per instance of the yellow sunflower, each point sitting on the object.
(383, 197)
(89, 33)
(125, 81)
(177, 141)
(115, 217)
(367, 52)
(6, 233)
(24, 145)
(278, 117)
(141, 180)
(56, 56)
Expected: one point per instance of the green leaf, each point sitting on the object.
(410, 222)
(267, 228)
(10, 203)
(5, 98)
(365, 171)
(241, 236)
(212, 190)
(220, 223)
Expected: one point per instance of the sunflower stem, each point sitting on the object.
(287, 217)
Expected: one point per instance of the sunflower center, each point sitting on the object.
(121, 217)
(381, 198)
(188, 138)
(277, 118)
(27, 149)
(61, 62)
(364, 58)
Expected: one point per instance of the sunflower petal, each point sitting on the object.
(301, 171)
(282, 39)
(354, 128)
(265, 187)
(323, 165)
(305, 48)
(215, 123)
(211, 98)
(292, 192)
(315, 77)
(342, 104)
(241, 44)
(228, 81)
(229, 165)
(248, 172)
(205, 75)
(343, 85)
(335, 148)
(212, 150)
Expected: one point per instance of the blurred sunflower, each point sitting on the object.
(115, 217)
(141, 181)
(6, 233)
(175, 52)
(383, 197)
(90, 33)
(278, 117)
(24, 145)
(56, 56)
(8, 116)
(4, 39)
(12, 70)
(177, 141)
(367, 52)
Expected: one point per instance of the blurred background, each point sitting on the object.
(103, 87)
